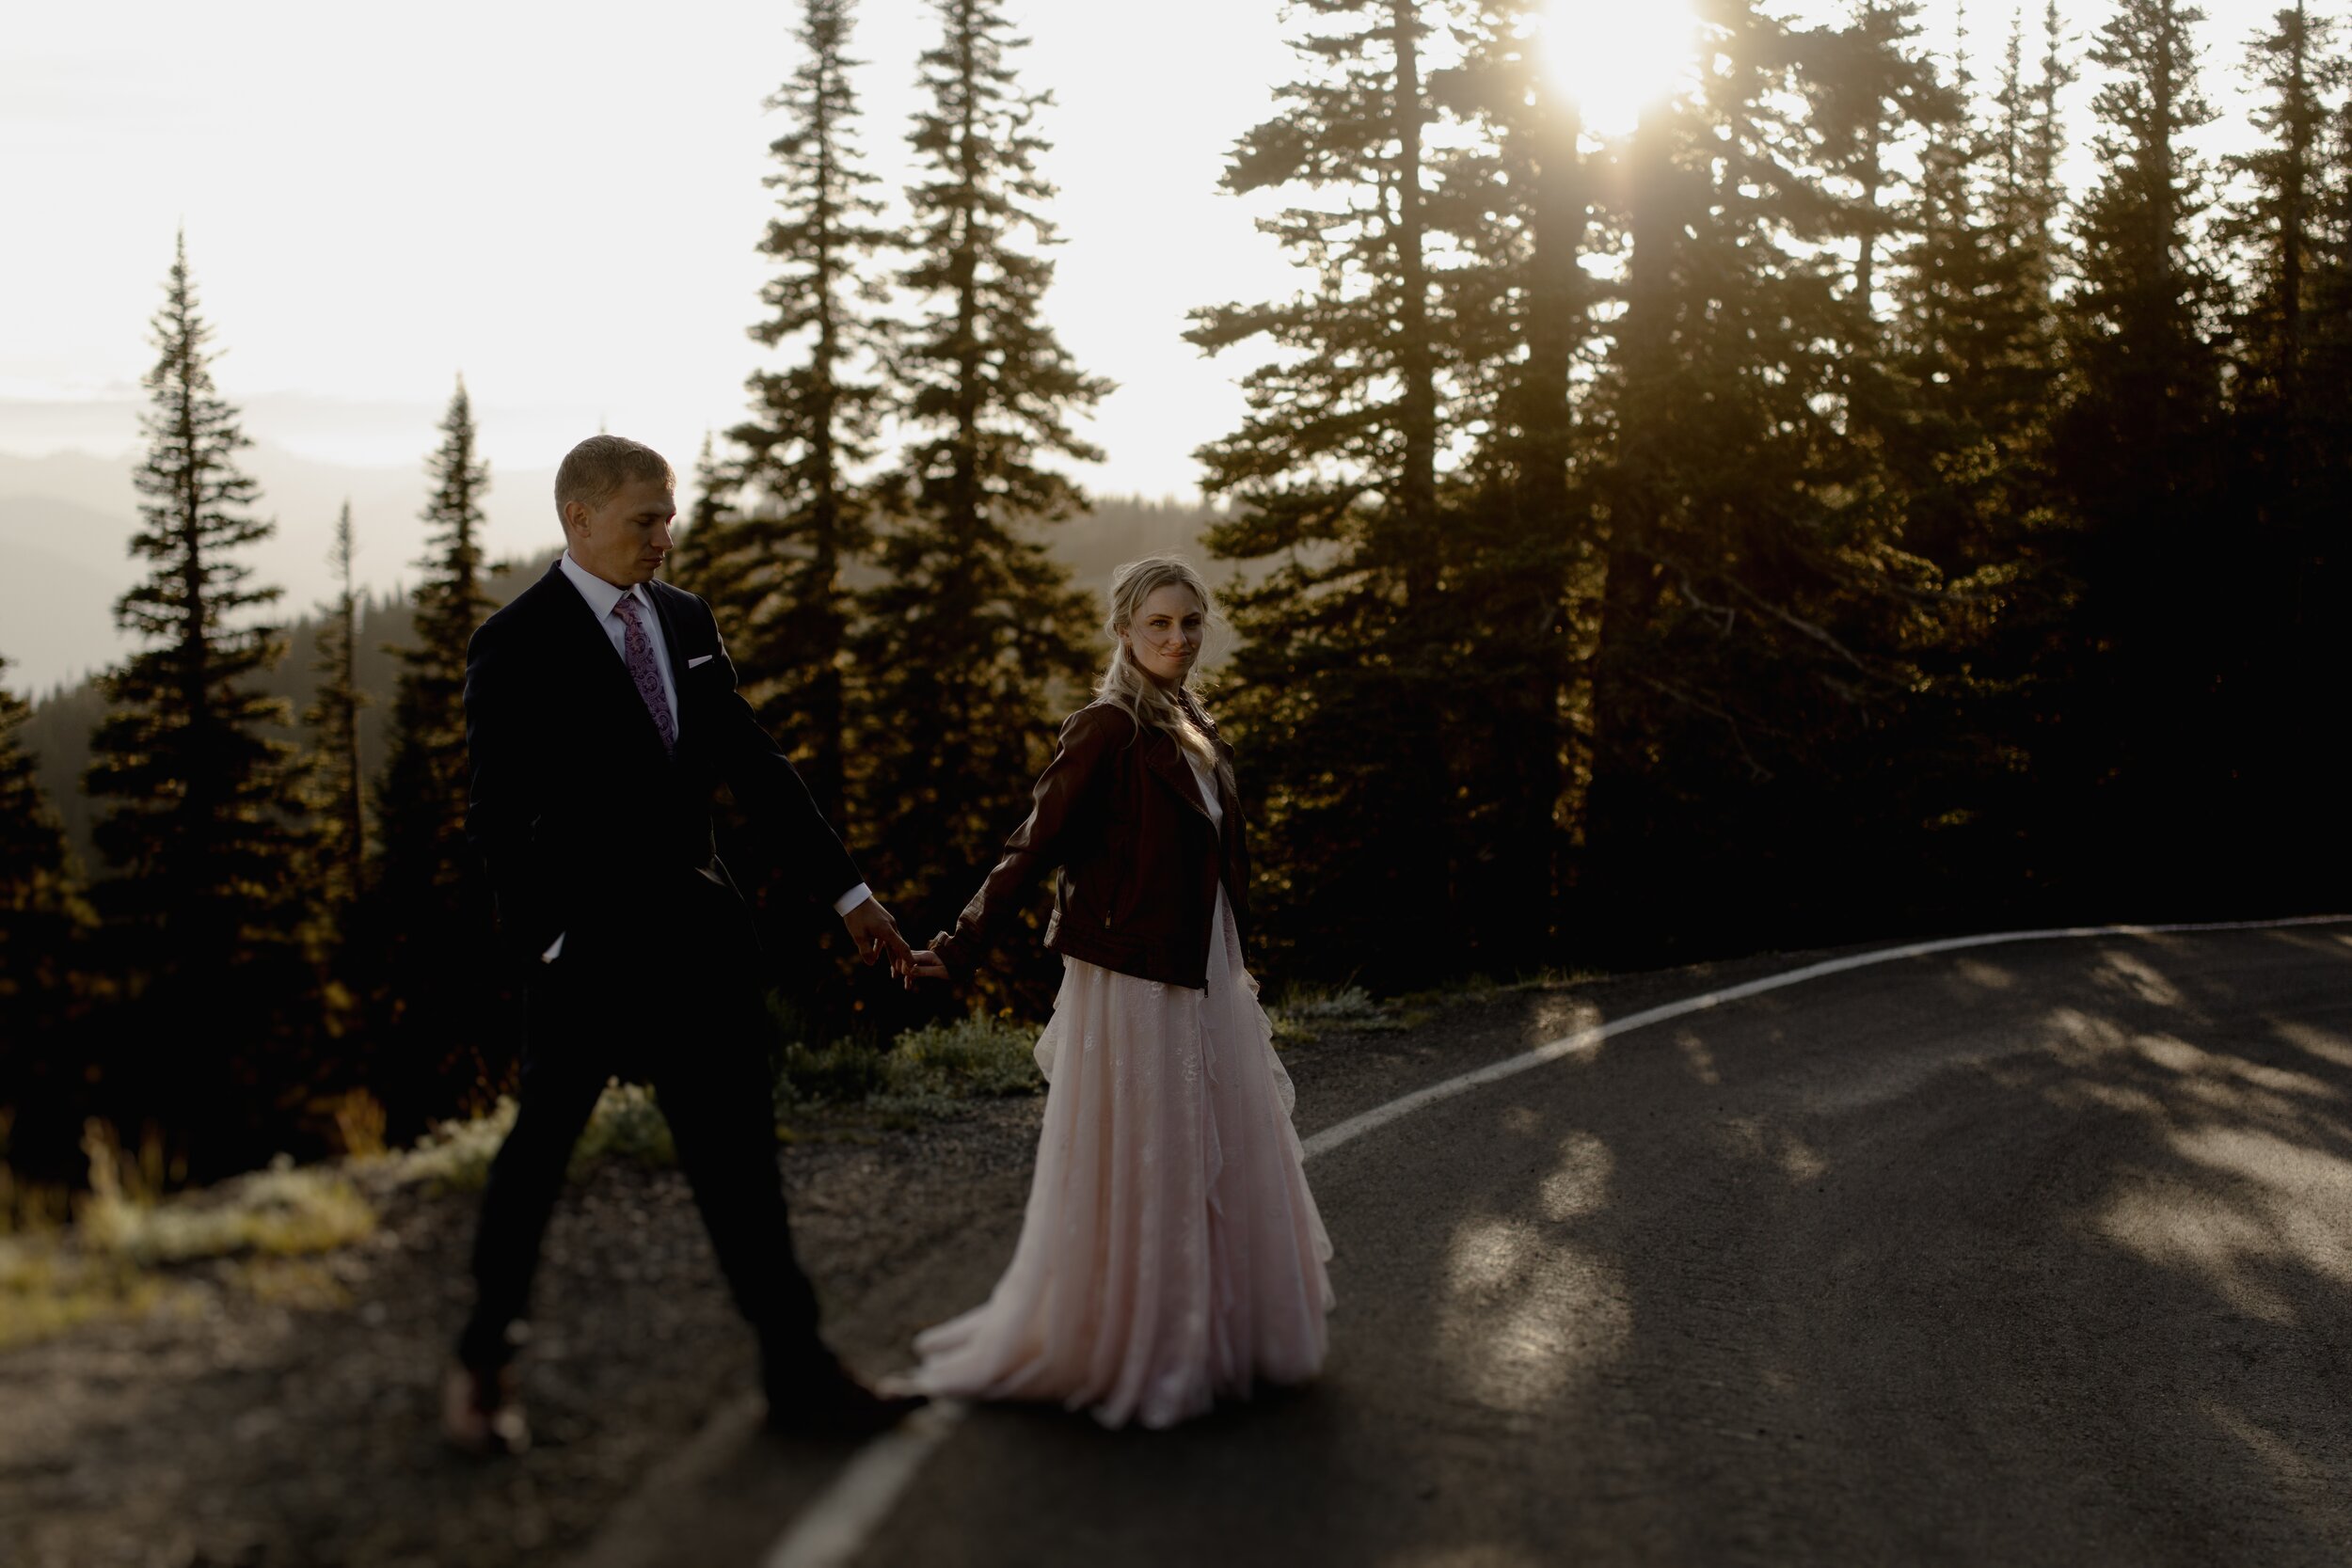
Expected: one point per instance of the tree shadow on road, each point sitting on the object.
(2035, 1255)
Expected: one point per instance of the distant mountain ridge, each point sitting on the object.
(1119, 529)
(67, 518)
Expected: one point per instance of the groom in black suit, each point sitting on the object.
(601, 714)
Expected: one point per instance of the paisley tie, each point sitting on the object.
(637, 653)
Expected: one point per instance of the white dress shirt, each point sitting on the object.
(602, 597)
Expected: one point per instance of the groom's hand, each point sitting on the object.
(876, 933)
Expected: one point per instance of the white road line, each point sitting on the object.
(833, 1529)
(1585, 1039)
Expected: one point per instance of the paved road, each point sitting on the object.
(2033, 1254)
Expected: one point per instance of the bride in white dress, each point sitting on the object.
(1170, 1255)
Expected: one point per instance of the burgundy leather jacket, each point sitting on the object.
(1119, 814)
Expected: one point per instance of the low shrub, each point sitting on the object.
(981, 1054)
(1304, 1012)
(846, 1072)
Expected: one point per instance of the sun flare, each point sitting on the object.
(1614, 56)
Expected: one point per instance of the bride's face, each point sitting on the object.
(1164, 637)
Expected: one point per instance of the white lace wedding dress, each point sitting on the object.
(1171, 1254)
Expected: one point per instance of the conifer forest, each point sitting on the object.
(1799, 518)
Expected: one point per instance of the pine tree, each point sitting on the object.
(691, 563)
(2141, 321)
(1345, 672)
(1520, 202)
(1758, 607)
(423, 801)
(800, 521)
(2059, 72)
(430, 925)
(339, 787)
(1972, 367)
(2136, 448)
(2288, 433)
(207, 832)
(974, 636)
(40, 903)
(2276, 226)
(2331, 345)
(1876, 96)
(205, 807)
(2016, 174)
(42, 922)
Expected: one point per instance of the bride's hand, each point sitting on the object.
(924, 964)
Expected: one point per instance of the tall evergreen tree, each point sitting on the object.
(2059, 72)
(2330, 282)
(2142, 319)
(2276, 226)
(200, 832)
(2017, 154)
(1759, 613)
(1971, 370)
(973, 624)
(430, 925)
(40, 904)
(206, 830)
(802, 520)
(1878, 102)
(1344, 671)
(691, 563)
(2136, 448)
(42, 919)
(338, 786)
(423, 801)
(2289, 433)
(1522, 205)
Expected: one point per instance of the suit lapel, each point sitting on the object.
(668, 608)
(661, 613)
(665, 613)
(589, 648)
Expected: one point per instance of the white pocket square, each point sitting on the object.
(699, 659)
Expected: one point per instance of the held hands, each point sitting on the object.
(924, 964)
(876, 933)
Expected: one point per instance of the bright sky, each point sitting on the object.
(561, 202)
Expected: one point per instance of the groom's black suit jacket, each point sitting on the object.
(590, 829)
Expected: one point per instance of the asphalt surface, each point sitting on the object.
(2034, 1254)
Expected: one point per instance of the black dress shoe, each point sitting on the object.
(820, 1399)
(480, 1412)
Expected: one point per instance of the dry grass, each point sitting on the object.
(112, 1251)
(456, 1156)
(46, 1289)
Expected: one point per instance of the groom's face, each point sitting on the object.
(623, 540)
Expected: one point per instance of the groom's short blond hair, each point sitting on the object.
(597, 467)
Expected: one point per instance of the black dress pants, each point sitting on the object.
(692, 1025)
